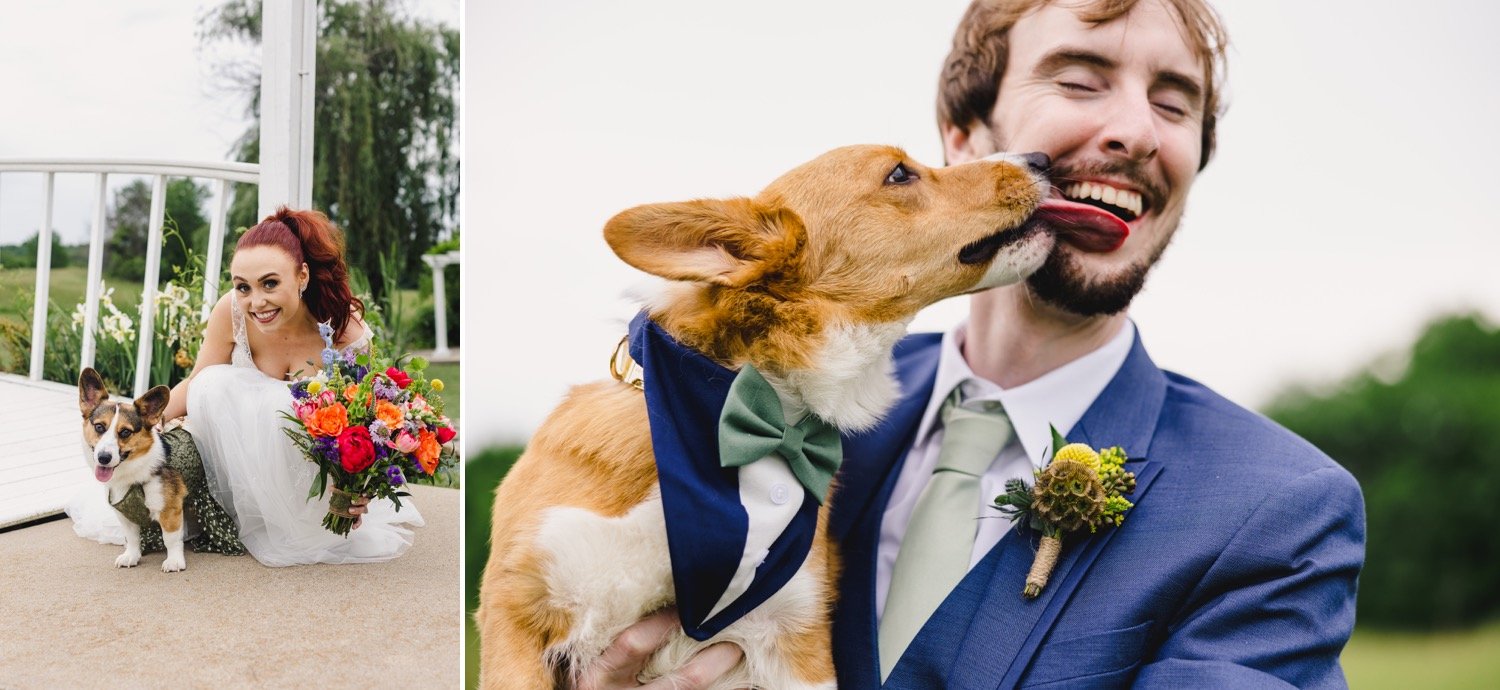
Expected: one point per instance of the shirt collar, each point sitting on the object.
(1058, 398)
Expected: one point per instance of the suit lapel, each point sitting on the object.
(1005, 630)
(864, 484)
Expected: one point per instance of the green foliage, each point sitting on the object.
(385, 122)
(129, 220)
(1425, 446)
(482, 473)
(23, 255)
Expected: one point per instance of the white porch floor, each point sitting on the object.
(41, 463)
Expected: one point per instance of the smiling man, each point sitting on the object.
(1237, 565)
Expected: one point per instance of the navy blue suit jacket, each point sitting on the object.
(1236, 568)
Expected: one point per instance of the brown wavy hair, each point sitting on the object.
(309, 237)
(970, 81)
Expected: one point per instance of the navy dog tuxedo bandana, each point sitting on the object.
(734, 538)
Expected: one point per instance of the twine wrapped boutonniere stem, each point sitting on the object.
(1079, 488)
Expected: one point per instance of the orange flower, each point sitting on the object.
(350, 391)
(428, 450)
(388, 413)
(328, 421)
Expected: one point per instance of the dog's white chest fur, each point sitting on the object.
(608, 573)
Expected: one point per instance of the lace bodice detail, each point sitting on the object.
(241, 357)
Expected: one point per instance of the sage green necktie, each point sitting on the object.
(939, 538)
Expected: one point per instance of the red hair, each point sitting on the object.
(309, 237)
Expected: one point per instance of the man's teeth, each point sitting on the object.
(1123, 198)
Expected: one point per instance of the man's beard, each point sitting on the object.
(1062, 283)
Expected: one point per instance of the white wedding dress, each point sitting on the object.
(261, 479)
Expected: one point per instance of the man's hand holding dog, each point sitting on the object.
(623, 660)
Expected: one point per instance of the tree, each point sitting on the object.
(385, 122)
(129, 216)
(23, 255)
(1425, 446)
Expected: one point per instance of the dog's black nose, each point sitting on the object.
(105, 458)
(1038, 162)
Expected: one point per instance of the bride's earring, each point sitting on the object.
(301, 290)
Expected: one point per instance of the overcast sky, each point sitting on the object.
(114, 79)
(1348, 204)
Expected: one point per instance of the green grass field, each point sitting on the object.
(1374, 658)
(1381, 659)
(65, 289)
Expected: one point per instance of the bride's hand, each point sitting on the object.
(358, 507)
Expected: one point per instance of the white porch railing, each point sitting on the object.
(223, 173)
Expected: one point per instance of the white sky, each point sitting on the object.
(1345, 209)
(112, 79)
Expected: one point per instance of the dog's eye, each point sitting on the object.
(98, 428)
(124, 434)
(900, 175)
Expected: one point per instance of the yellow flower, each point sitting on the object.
(1079, 452)
(315, 387)
(437, 385)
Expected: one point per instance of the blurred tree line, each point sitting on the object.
(385, 117)
(1424, 443)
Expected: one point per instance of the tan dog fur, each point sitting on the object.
(833, 247)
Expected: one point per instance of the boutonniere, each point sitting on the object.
(1079, 488)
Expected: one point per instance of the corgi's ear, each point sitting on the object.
(150, 405)
(730, 242)
(91, 391)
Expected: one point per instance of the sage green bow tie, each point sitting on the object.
(752, 426)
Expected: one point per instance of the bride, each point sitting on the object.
(288, 275)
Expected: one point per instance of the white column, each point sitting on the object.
(289, 33)
(438, 262)
(43, 276)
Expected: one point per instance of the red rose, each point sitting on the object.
(398, 377)
(445, 434)
(356, 450)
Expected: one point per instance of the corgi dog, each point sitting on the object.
(123, 448)
(812, 282)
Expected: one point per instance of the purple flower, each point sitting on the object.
(393, 473)
(329, 356)
(299, 390)
(328, 447)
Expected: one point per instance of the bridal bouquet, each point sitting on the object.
(368, 423)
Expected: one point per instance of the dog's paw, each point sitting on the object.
(173, 564)
(129, 559)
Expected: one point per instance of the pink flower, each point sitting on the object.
(404, 442)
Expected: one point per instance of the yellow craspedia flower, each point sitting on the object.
(1079, 452)
(315, 387)
(437, 385)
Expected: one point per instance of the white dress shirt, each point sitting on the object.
(1058, 398)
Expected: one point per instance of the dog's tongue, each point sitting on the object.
(1083, 226)
(103, 473)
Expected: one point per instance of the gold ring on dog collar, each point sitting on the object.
(624, 368)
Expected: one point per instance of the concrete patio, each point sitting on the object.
(72, 620)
